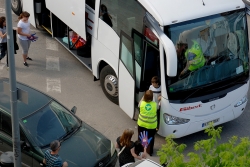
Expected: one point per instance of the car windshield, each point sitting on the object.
(50, 123)
(210, 50)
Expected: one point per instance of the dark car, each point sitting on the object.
(43, 120)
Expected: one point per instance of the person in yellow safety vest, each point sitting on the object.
(195, 58)
(147, 120)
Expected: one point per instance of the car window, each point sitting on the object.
(50, 123)
(67, 119)
(43, 126)
(6, 124)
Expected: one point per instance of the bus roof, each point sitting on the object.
(168, 12)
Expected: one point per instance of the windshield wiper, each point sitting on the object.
(186, 98)
(70, 133)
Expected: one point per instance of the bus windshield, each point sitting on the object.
(210, 50)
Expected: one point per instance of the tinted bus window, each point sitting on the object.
(91, 3)
(123, 15)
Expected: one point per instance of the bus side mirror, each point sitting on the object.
(247, 3)
(73, 110)
(171, 55)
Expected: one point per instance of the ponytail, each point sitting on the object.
(22, 15)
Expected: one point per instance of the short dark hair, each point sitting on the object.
(155, 79)
(138, 147)
(54, 145)
(148, 96)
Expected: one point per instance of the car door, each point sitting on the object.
(6, 140)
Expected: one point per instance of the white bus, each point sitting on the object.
(130, 41)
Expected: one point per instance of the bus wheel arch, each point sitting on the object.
(109, 83)
(16, 6)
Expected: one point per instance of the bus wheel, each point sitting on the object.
(16, 6)
(109, 83)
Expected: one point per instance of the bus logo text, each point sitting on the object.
(190, 107)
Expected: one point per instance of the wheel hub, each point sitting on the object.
(111, 85)
(14, 3)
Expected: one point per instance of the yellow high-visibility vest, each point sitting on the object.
(148, 117)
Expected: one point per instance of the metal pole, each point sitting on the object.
(13, 89)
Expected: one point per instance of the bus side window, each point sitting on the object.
(122, 15)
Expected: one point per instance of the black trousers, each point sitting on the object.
(151, 133)
(3, 51)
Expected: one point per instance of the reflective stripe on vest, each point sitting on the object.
(147, 117)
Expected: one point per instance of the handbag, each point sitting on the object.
(121, 150)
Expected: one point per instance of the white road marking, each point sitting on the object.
(51, 44)
(2, 66)
(54, 85)
(2, 10)
(52, 63)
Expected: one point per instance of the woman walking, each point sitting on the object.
(147, 120)
(3, 39)
(23, 31)
(126, 146)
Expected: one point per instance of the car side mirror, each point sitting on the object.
(25, 145)
(73, 110)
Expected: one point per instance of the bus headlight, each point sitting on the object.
(112, 149)
(172, 120)
(242, 101)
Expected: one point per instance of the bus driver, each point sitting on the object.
(195, 58)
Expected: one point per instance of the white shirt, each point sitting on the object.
(156, 94)
(25, 29)
(3, 40)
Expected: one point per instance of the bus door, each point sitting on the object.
(147, 62)
(72, 13)
(126, 75)
(28, 5)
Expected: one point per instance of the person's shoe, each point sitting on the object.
(28, 58)
(26, 64)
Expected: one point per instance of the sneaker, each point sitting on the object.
(28, 58)
(26, 64)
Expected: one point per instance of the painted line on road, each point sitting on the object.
(51, 44)
(52, 63)
(2, 65)
(2, 10)
(54, 85)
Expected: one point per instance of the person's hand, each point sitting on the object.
(144, 139)
(32, 37)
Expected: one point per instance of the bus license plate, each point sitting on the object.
(207, 123)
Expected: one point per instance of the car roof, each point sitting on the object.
(36, 99)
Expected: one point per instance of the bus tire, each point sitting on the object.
(16, 6)
(109, 83)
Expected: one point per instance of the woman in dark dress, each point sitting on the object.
(126, 147)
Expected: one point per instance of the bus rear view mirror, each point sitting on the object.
(247, 3)
(170, 51)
